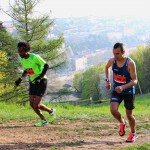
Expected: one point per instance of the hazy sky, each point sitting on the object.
(73, 8)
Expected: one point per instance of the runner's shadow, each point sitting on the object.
(13, 127)
(21, 145)
(22, 125)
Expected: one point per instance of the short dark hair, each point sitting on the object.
(24, 45)
(119, 45)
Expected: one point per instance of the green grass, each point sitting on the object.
(144, 146)
(95, 112)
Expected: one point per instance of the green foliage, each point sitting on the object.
(6, 87)
(144, 146)
(29, 28)
(3, 58)
(146, 69)
(90, 83)
(64, 91)
(77, 81)
(7, 91)
(9, 70)
(141, 57)
(3, 64)
(137, 56)
(51, 51)
(102, 68)
(35, 29)
(8, 44)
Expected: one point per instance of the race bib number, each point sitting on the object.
(119, 78)
(30, 72)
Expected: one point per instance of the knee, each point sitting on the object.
(34, 105)
(114, 111)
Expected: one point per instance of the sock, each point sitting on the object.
(123, 121)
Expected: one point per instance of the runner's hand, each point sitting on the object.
(119, 89)
(18, 81)
(108, 85)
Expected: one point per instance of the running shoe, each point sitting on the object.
(122, 128)
(41, 123)
(131, 137)
(52, 116)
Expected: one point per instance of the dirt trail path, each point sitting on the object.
(68, 135)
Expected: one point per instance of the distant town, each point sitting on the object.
(89, 40)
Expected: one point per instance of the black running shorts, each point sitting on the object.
(128, 99)
(39, 88)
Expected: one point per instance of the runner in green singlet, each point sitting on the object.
(35, 67)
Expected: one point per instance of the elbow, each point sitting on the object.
(46, 66)
(135, 82)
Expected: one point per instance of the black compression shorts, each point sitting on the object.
(128, 99)
(39, 88)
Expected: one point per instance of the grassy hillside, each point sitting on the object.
(66, 111)
(78, 124)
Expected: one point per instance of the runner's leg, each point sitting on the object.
(35, 102)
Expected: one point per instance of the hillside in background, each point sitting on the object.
(88, 34)
(93, 37)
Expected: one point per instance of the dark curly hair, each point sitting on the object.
(24, 45)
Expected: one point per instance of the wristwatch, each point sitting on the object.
(107, 80)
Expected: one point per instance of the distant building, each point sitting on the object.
(81, 64)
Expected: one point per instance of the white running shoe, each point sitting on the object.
(52, 116)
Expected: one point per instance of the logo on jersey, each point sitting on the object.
(30, 72)
(119, 78)
(115, 69)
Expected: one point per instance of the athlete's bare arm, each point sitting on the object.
(107, 68)
(107, 72)
(133, 74)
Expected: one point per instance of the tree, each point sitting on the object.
(88, 83)
(34, 29)
(8, 68)
(91, 84)
(146, 68)
(77, 81)
(3, 64)
(141, 57)
(8, 46)
(29, 28)
(137, 56)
